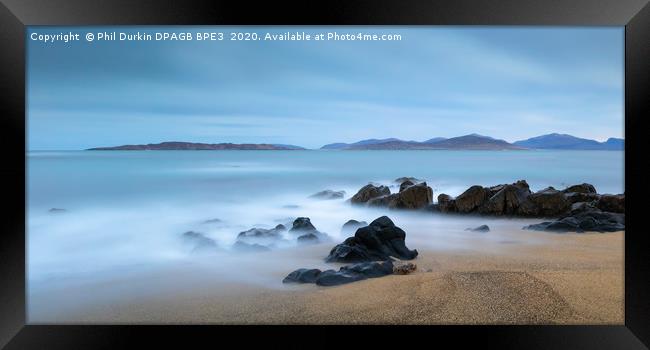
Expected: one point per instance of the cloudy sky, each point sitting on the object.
(507, 82)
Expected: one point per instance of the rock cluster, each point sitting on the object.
(410, 196)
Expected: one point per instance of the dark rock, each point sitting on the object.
(382, 201)
(547, 202)
(471, 199)
(413, 197)
(435, 207)
(369, 192)
(404, 185)
(582, 188)
(482, 228)
(401, 180)
(328, 194)
(302, 224)
(261, 235)
(580, 207)
(575, 197)
(612, 203)
(308, 238)
(302, 276)
(506, 200)
(250, 247)
(334, 278)
(351, 226)
(446, 203)
(378, 241)
(355, 272)
(199, 240)
(587, 220)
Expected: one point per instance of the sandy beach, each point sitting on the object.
(551, 279)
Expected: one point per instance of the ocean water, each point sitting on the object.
(125, 211)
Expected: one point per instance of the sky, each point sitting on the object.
(510, 83)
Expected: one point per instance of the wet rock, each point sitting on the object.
(199, 240)
(351, 226)
(472, 199)
(582, 188)
(413, 197)
(482, 228)
(612, 203)
(587, 220)
(302, 276)
(308, 238)
(506, 200)
(261, 235)
(446, 203)
(406, 184)
(378, 241)
(328, 194)
(575, 197)
(404, 269)
(547, 202)
(369, 192)
(302, 224)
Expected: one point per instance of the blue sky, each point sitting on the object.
(507, 82)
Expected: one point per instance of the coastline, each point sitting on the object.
(562, 279)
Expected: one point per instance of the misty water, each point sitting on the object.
(126, 211)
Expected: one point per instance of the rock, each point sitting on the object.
(401, 180)
(506, 200)
(575, 197)
(446, 203)
(345, 274)
(57, 210)
(308, 238)
(404, 269)
(547, 202)
(482, 228)
(199, 240)
(404, 185)
(250, 247)
(369, 192)
(351, 226)
(261, 236)
(612, 203)
(302, 276)
(582, 188)
(580, 207)
(472, 199)
(413, 197)
(378, 241)
(382, 201)
(587, 220)
(302, 224)
(328, 194)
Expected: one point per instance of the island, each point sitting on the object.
(193, 146)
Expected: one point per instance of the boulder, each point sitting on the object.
(380, 240)
(582, 188)
(614, 203)
(575, 197)
(587, 220)
(482, 228)
(401, 180)
(302, 276)
(446, 203)
(406, 184)
(383, 201)
(547, 202)
(506, 200)
(308, 238)
(199, 240)
(368, 192)
(413, 197)
(351, 226)
(346, 274)
(328, 194)
(472, 199)
(302, 224)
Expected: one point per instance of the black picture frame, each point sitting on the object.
(15, 15)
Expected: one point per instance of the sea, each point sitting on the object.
(124, 212)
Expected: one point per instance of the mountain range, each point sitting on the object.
(466, 142)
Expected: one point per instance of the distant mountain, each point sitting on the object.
(569, 142)
(174, 146)
(341, 145)
(473, 141)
